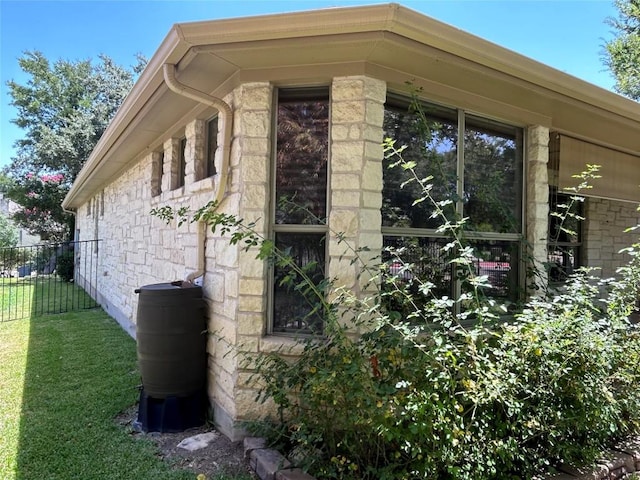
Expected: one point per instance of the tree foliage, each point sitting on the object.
(8, 232)
(622, 55)
(63, 109)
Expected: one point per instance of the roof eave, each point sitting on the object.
(332, 22)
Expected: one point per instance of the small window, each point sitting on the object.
(212, 146)
(565, 235)
(157, 167)
(182, 163)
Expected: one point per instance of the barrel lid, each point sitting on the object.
(168, 287)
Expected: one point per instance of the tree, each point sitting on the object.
(63, 109)
(622, 55)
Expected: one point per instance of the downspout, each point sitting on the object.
(225, 111)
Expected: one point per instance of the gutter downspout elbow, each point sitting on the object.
(224, 111)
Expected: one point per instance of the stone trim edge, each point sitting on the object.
(617, 464)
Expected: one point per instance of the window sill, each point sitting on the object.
(205, 185)
(282, 344)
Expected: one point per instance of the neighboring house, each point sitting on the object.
(8, 208)
(254, 110)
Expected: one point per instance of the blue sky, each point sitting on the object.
(564, 34)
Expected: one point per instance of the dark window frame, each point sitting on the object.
(181, 163)
(564, 251)
(487, 242)
(285, 225)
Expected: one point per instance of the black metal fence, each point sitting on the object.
(49, 278)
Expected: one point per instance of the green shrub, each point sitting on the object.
(65, 265)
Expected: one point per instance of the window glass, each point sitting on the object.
(212, 145)
(301, 158)
(492, 176)
(565, 235)
(419, 258)
(182, 163)
(481, 180)
(297, 307)
(432, 144)
(498, 261)
(300, 209)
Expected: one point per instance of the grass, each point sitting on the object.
(30, 296)
(63, 379)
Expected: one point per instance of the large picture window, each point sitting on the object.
(300, 207)
(476, 165)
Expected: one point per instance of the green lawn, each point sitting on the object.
(63, 379)
(31, 296)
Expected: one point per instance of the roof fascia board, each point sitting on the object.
(323, 22)
(332, 22)
(470, 102)
(432, 32)
(412, 25)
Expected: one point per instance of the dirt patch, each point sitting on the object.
(221, 456)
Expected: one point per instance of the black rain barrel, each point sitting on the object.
(172, 339)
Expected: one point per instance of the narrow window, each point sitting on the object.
(157, 168)
(212, 146)
(182, 163)
(565, 235)
(300, 208)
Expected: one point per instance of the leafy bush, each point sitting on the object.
(404, 401)
(65, 265)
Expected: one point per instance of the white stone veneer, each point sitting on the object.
(139, 249)
(604, 234)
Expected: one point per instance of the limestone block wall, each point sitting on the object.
(537, 205)
(235, 279)
(357, 114)
(138, 248)
(604, 235)
(356, 197)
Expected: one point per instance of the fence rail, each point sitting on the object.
(50, 278)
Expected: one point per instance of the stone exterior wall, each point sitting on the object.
(139, 249)
(537, 205)
(357, 116)
(604, 234)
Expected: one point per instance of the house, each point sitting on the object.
(8, 208)
(253, 111)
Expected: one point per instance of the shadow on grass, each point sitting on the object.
(80, 373)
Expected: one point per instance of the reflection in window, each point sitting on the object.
(476, 165)
(301, 158)
(212, 145)
(415, 260)
(565, 238)
(295, 308)
(497, 260)
(300, 206)
(492, 176)
(181, 164)
(435, 150)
